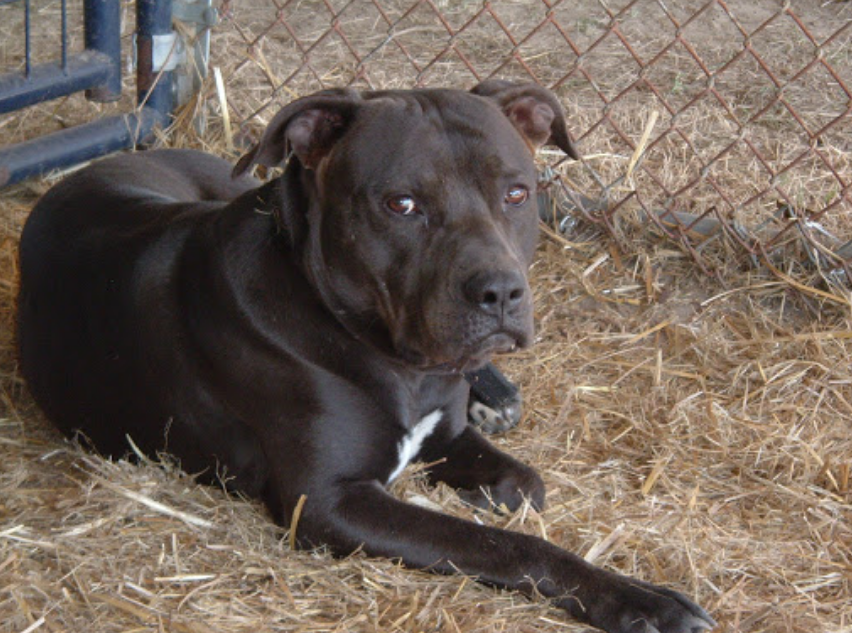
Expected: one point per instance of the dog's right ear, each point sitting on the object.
(307, 127)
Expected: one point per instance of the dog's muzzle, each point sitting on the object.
(498, 315)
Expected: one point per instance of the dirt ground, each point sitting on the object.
(692, 429)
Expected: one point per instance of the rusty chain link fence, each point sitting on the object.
(720, 125)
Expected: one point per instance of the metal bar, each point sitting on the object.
(102, 21)
(49, 81)
(153, 85)
(64, 34)
(75, 145)
(27, 50)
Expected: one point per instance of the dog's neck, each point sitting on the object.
(283, 201)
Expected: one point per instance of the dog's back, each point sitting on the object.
(88, 228)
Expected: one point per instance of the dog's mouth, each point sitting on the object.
(480, 353)
(469, 357)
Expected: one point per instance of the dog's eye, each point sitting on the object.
(402, 205)
(517, 195)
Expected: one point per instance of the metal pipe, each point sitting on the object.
(39, 156)
(64, 34)
(48, 81)
(27, 50)
(153, 26)
(102, 22)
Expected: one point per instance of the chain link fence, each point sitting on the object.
(720, 125)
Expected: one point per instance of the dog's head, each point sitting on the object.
(417, 214)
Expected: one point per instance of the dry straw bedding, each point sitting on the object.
(695, 432)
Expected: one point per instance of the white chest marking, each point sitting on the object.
(409, 445)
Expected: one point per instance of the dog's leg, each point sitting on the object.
(363, 515)
(484, 476)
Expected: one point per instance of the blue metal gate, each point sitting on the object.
(96, 70)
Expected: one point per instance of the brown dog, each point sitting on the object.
(309, 336)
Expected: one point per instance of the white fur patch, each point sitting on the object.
(410, 445)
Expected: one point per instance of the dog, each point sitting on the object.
(304, 339)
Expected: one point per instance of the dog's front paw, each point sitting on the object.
(508, 491)
(626, 605)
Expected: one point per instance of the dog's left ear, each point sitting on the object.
(534, 111)
(307, 127)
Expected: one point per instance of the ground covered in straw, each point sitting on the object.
(694, 431)
(692, 435)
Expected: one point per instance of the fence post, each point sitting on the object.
(157, 53)
(103, 34)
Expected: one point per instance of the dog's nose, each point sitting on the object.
(495, 292)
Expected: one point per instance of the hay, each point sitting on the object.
(692, 431)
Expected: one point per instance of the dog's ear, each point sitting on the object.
(533, 110)
(307, 127)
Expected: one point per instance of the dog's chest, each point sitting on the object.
(410, 444)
